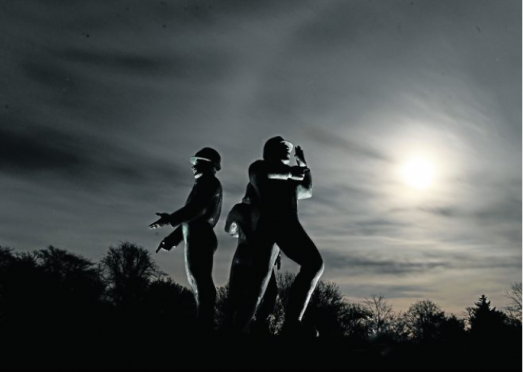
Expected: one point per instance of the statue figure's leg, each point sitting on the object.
(296, 244)
(199, 254)
(264, 256)
(267, 306)
(238, 279)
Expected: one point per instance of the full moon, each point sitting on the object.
(418, 173)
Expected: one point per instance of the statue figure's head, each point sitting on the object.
(277, 149)
(206, 160)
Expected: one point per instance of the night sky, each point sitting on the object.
(103, 102)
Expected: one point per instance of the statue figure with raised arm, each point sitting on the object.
(278, 187)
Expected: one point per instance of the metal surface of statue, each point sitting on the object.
(278, 188)
(241, 223)
(194, 223)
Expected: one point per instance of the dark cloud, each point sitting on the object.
(201, 65)
(329, 196)
(462, 261)
(443, 211)
(377, 227)
(23, 151)
(47, 73)
(391, 291)
(35, 153)
(500, 216)
(506, 209)
(358, 264)
(325, 137)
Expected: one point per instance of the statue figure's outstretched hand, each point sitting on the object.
(300, 157)
(164, 220)
(161, 246)
(165, 245)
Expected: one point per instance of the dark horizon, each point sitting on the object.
(57, 309)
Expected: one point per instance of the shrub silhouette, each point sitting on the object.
(169, 308)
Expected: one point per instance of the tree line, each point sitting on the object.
(52, 294)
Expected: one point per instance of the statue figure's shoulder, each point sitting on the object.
(258, 167)
(218, 183)
(241, 211)
(213, 182)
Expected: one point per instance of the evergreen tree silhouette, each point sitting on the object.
(486, 322)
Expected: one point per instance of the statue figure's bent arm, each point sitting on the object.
(260, 171)
(197, 206)
(305, 187)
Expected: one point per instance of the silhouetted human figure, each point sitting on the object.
(195, 222)
(241, 223)
(278, 188)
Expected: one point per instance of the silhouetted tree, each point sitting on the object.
(354, 321)
(380, 318)
(128, 270)
(514, 306)
(486, 322)
(20, 285)
(48, 292)
(6, 259)
(333, 315)
(169, 308)
(76, 280)
(6, 256)
(452, 330)
(125, 303)
(423, 321)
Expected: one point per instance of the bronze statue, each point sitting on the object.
(241, 223)
(278, 188)
(194, 223)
